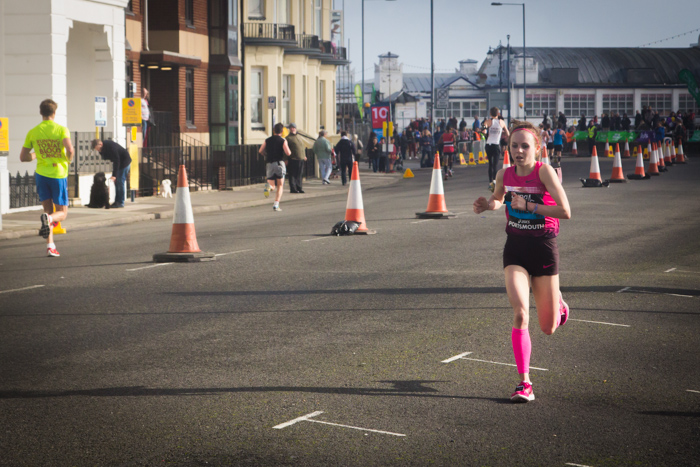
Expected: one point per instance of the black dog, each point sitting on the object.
(99, 196)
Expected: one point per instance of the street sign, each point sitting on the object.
(380, 115)
(272, 102)
(4, 136)
(101, 111)
(442, 98)
(131, 111)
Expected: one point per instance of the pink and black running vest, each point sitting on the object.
(448, 140)
(530, 187)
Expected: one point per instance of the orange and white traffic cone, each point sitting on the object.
(354, 209)
(617, 175)
(647, 151)
(653, 164)
(639, 169)
(506, 159)
(667, 154)
(626, 154)
(595, 167)
(680, 157)
(183, 240)
(574, 149)
(545, 156)
(607, 149)
(673, 152)
(660, 157)
(437, 208)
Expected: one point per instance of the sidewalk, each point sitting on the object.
(26, 223)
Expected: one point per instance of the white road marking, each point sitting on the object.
(577, 465)
(691, 390)
(683, 271)
(670, 270)
(312, 239)
(296, 420)
(456, 357)
(23, 288)
(499, 363)
(358, 428)
(631, 290)
(148, 267)
(307, 418)
(232, 252)
(623, 290)
(424, 220)
(458, 214)
(600, 322)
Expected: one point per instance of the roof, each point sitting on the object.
(610, 65)
(420, 82)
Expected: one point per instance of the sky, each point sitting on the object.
(464, 29)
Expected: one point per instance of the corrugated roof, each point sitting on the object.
(420, 82)
(609, 65)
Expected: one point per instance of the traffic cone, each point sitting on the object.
(647, 151)
(58, 228)
(482, 160)
(183, 240)
(636, 151)
(595, 167)
(408, 174)
(639, 169)
(506, 159)
(574, 149)
(653, 165)
(617, 150)
(673, 152)
(617, 175)
(626, 154)
(355, 210)
(461, 159)
(607, 149)
(667, 154)
(545, 156)
(471, 159)
(436, 200)
(680, 157)
(660, 157)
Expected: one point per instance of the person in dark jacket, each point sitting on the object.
(373, 151)
(637, 120)
(582, 123)
(296, 160)
(121, 166)
(346, 153)
(625, 122)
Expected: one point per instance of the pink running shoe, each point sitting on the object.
(563, 310)
(52, 252)
(523, 393)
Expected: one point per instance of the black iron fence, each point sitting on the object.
(159, 163)
(241, 165)
(271, 31)
(23, 191)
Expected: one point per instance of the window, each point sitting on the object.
(233, 98)
(286, 98)
(232, 13)
(618, 103)
(189, 96)
(658, 102)
(189, 12)
(256, 97)
(538, 104)
(318, 18)
(283, 12)
(687, 103)
(471, 109)
(256, 9)
(321, 104)
(455, 109)
(577, 104)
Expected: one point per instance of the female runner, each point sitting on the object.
(535, 201)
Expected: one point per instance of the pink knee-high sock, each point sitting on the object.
(522, 347)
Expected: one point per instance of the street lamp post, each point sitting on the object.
(524, 55)
(508, 80)
(432, 71)
(363, 53)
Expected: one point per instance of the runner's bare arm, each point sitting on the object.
(562, 210)
(262, 149)
(70, 152)
(26, 155)
(496, 199)
(285, 146)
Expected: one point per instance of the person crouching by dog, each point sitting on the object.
(121, 166)
(53, 151)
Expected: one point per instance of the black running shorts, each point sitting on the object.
(538, 255)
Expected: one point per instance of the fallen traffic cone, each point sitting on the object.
(617, 175)
(545, 156)
(626, 154)
(506, 159)
(355, 210)
(653, 165)
(183, 240)
(680, 157)
(437, 208)
(639, 169)
(574, 149)
(408, 174)
(594, 179)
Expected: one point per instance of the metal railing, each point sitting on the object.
(242, 165)
(160, 163)
(271, 31)
(23, 191)
(86, 160)
(308, 42)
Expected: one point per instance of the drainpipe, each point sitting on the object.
(145, 23)
(241, 93)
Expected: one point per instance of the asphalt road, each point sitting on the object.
(297, 348)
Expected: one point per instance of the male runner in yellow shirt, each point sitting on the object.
(53, 151)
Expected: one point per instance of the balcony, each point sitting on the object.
(281, 35)
(331, 55)
(306, 44)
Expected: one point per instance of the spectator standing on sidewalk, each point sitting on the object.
(373, 152)
(145, 116)
(53, 151)
(323, 149)
(345, 151)
(121, 166)
(296, 159)
(274, 149)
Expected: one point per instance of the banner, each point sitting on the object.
(696, 137)
(687, 77)
(358, 97)
(581, 135)
(380, 115)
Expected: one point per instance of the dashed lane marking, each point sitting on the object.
(232, 252)
(308, 418)
(424, 220)
(463, 356)
(670, 270)
(623, 290)
(23, 288)
(577, 465)
(631, 290)
(148, 267)
(313, 239)
(600, 322)
(692, 390)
